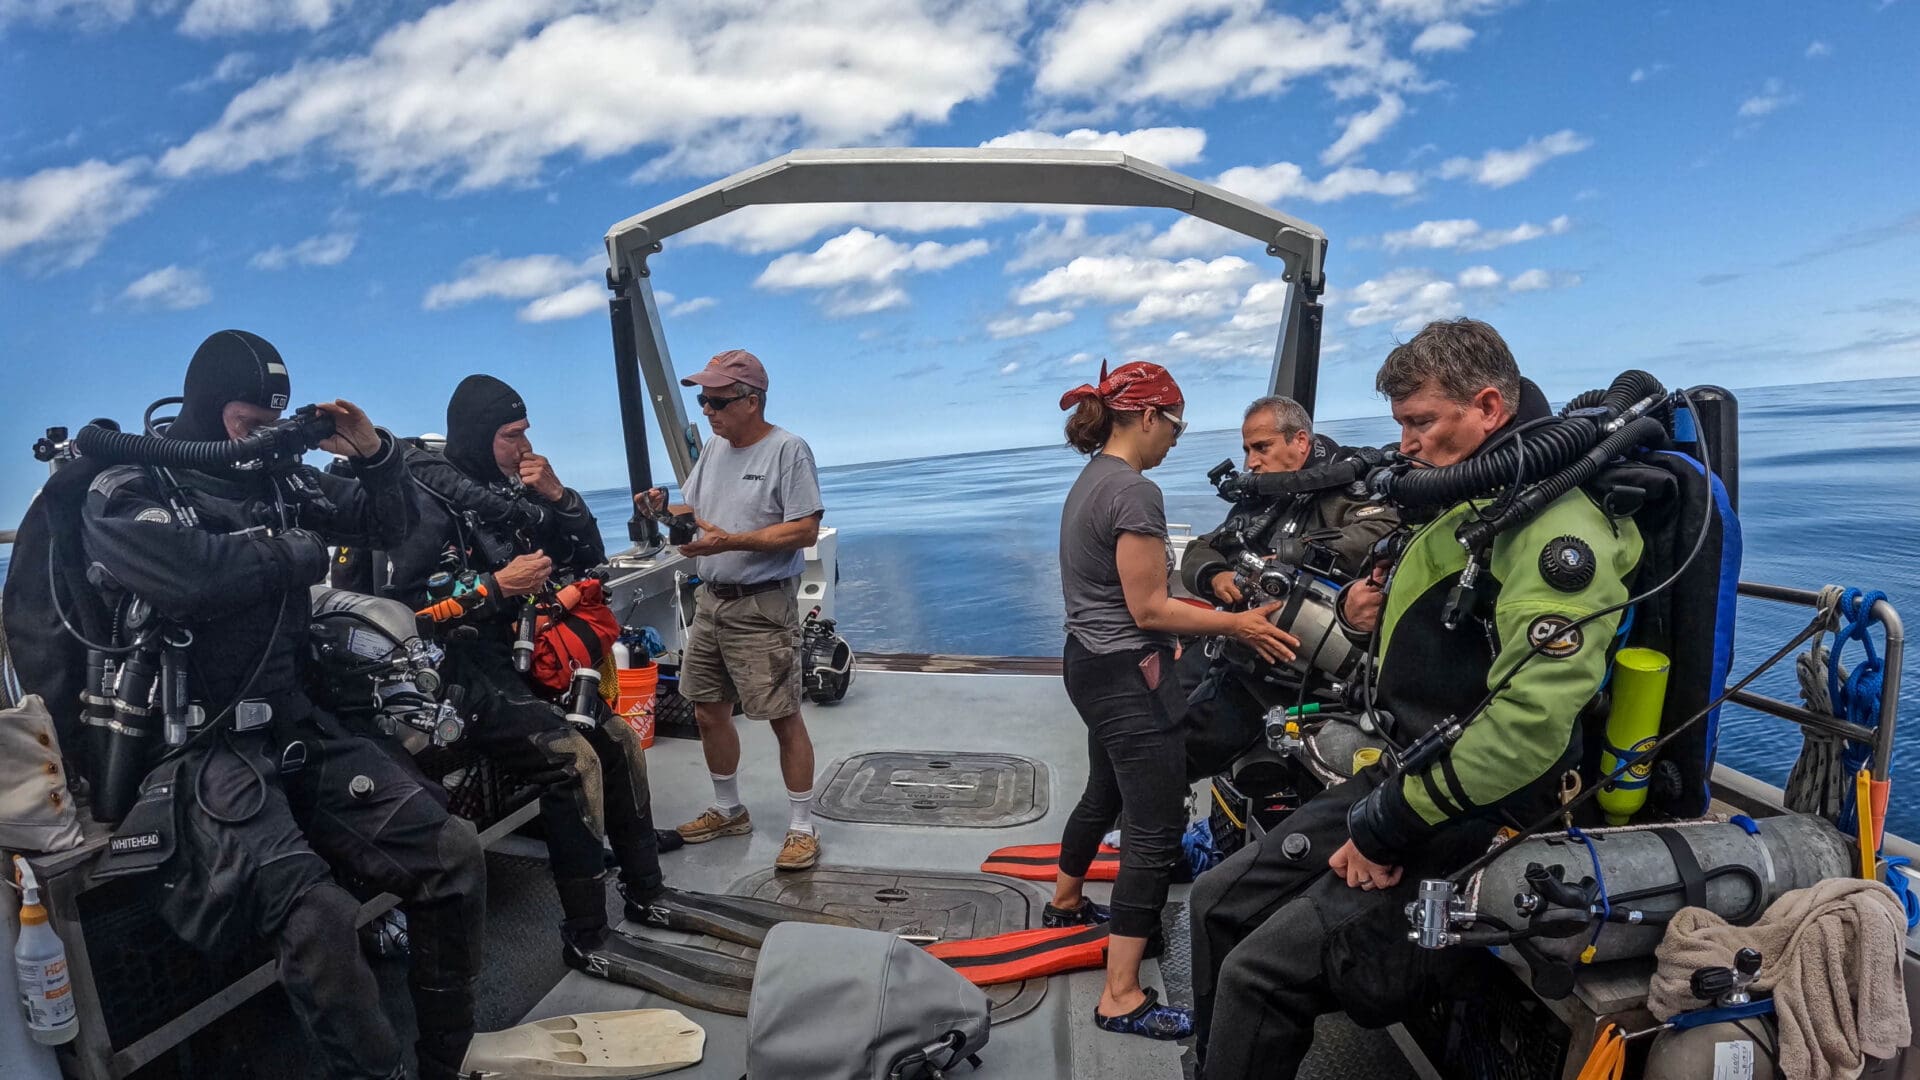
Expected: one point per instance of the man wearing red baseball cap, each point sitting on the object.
(756, 498)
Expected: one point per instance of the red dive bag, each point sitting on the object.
(580, 634)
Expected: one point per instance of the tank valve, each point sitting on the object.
(1434, 914)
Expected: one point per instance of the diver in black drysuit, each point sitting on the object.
(474, 522)
(276, 799)
(1223, 718)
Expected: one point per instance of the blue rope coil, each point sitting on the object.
(1903, 888)
(1858, 699)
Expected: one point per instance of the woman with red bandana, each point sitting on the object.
(1118, 665)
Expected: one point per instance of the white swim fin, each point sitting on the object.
(633, 1043)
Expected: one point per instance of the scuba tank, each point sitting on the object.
(1633, 723)
(40, 966)
(1548, 890)
(1733, 1036)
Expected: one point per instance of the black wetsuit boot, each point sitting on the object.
(583, 917)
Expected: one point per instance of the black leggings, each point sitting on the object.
(1135, 772)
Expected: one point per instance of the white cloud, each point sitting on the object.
(1192, 51)
(486, 91)
(698, 303)
(1535, 280)
(1498, 168)
(861, 269)
(1773, 95)
(1466, 234)
(57, 218)
(327, 249)
(1169, 146)
(1193, 236)
(1010, 367)
(758, 229)
(1022, 325)
(553, 284)
(232, 68)
(1818, 49)
(1409, 298)
(1642, 74)
(1364, 129)
(1442, 37)
(1159, 289)
(582, 299)
(207, 18)
(1479, 277)
(1285, 181)
(169, 288)
(83, 14)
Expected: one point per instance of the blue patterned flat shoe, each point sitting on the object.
(1087, 914)
(1151, 1019)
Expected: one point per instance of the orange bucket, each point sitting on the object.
(637, 688)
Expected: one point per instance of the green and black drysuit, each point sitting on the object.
(1278, 938)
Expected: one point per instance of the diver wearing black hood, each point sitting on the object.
(493, 513)
(275, 797)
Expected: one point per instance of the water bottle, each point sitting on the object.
(40, 965)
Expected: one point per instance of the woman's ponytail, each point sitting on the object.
(1089, 426)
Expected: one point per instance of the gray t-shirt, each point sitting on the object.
(1109, 498)
(744, 488)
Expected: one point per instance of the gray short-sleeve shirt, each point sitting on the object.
(1108, 499)
(743, 488)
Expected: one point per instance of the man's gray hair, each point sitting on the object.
(1461, 357)
(1288, 415)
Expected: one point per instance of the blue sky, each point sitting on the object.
(398, 194)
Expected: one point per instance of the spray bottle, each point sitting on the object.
(40, 965)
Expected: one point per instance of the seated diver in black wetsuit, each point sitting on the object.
(493, 512)
(276, 797)
(1223, 719)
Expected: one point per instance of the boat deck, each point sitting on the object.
(1022, 714)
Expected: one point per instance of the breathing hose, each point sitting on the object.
(1532, 500)
(1544, 452)
(293, 436)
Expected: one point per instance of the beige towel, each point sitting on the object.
(1830, 955)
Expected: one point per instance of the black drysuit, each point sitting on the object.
(1223, 718)
(597, 780)
(270, 815)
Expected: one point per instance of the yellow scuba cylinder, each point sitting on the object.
(1633, 723)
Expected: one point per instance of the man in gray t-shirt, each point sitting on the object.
(756, 497)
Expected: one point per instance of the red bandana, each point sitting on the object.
(1132, 387)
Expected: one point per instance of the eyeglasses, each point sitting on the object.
(718, 403)
(1179, 422)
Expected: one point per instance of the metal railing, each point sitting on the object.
(1881, 737)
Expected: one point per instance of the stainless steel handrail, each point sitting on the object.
(1881, 737)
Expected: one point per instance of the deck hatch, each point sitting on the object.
(942, 788)
(952, 907)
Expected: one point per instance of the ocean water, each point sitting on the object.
(959, 554)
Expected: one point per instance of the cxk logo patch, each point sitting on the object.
(1555, 636)
(278, 401)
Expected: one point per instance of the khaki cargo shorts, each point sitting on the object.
(745, 650)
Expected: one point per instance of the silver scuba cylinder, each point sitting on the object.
(1784, 853)
(1735, 1051)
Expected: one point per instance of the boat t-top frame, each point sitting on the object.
(969, 175)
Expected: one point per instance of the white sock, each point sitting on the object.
(800, 811)
(726, 792)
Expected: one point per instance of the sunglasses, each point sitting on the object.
(718, 403)
(1179, 422)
